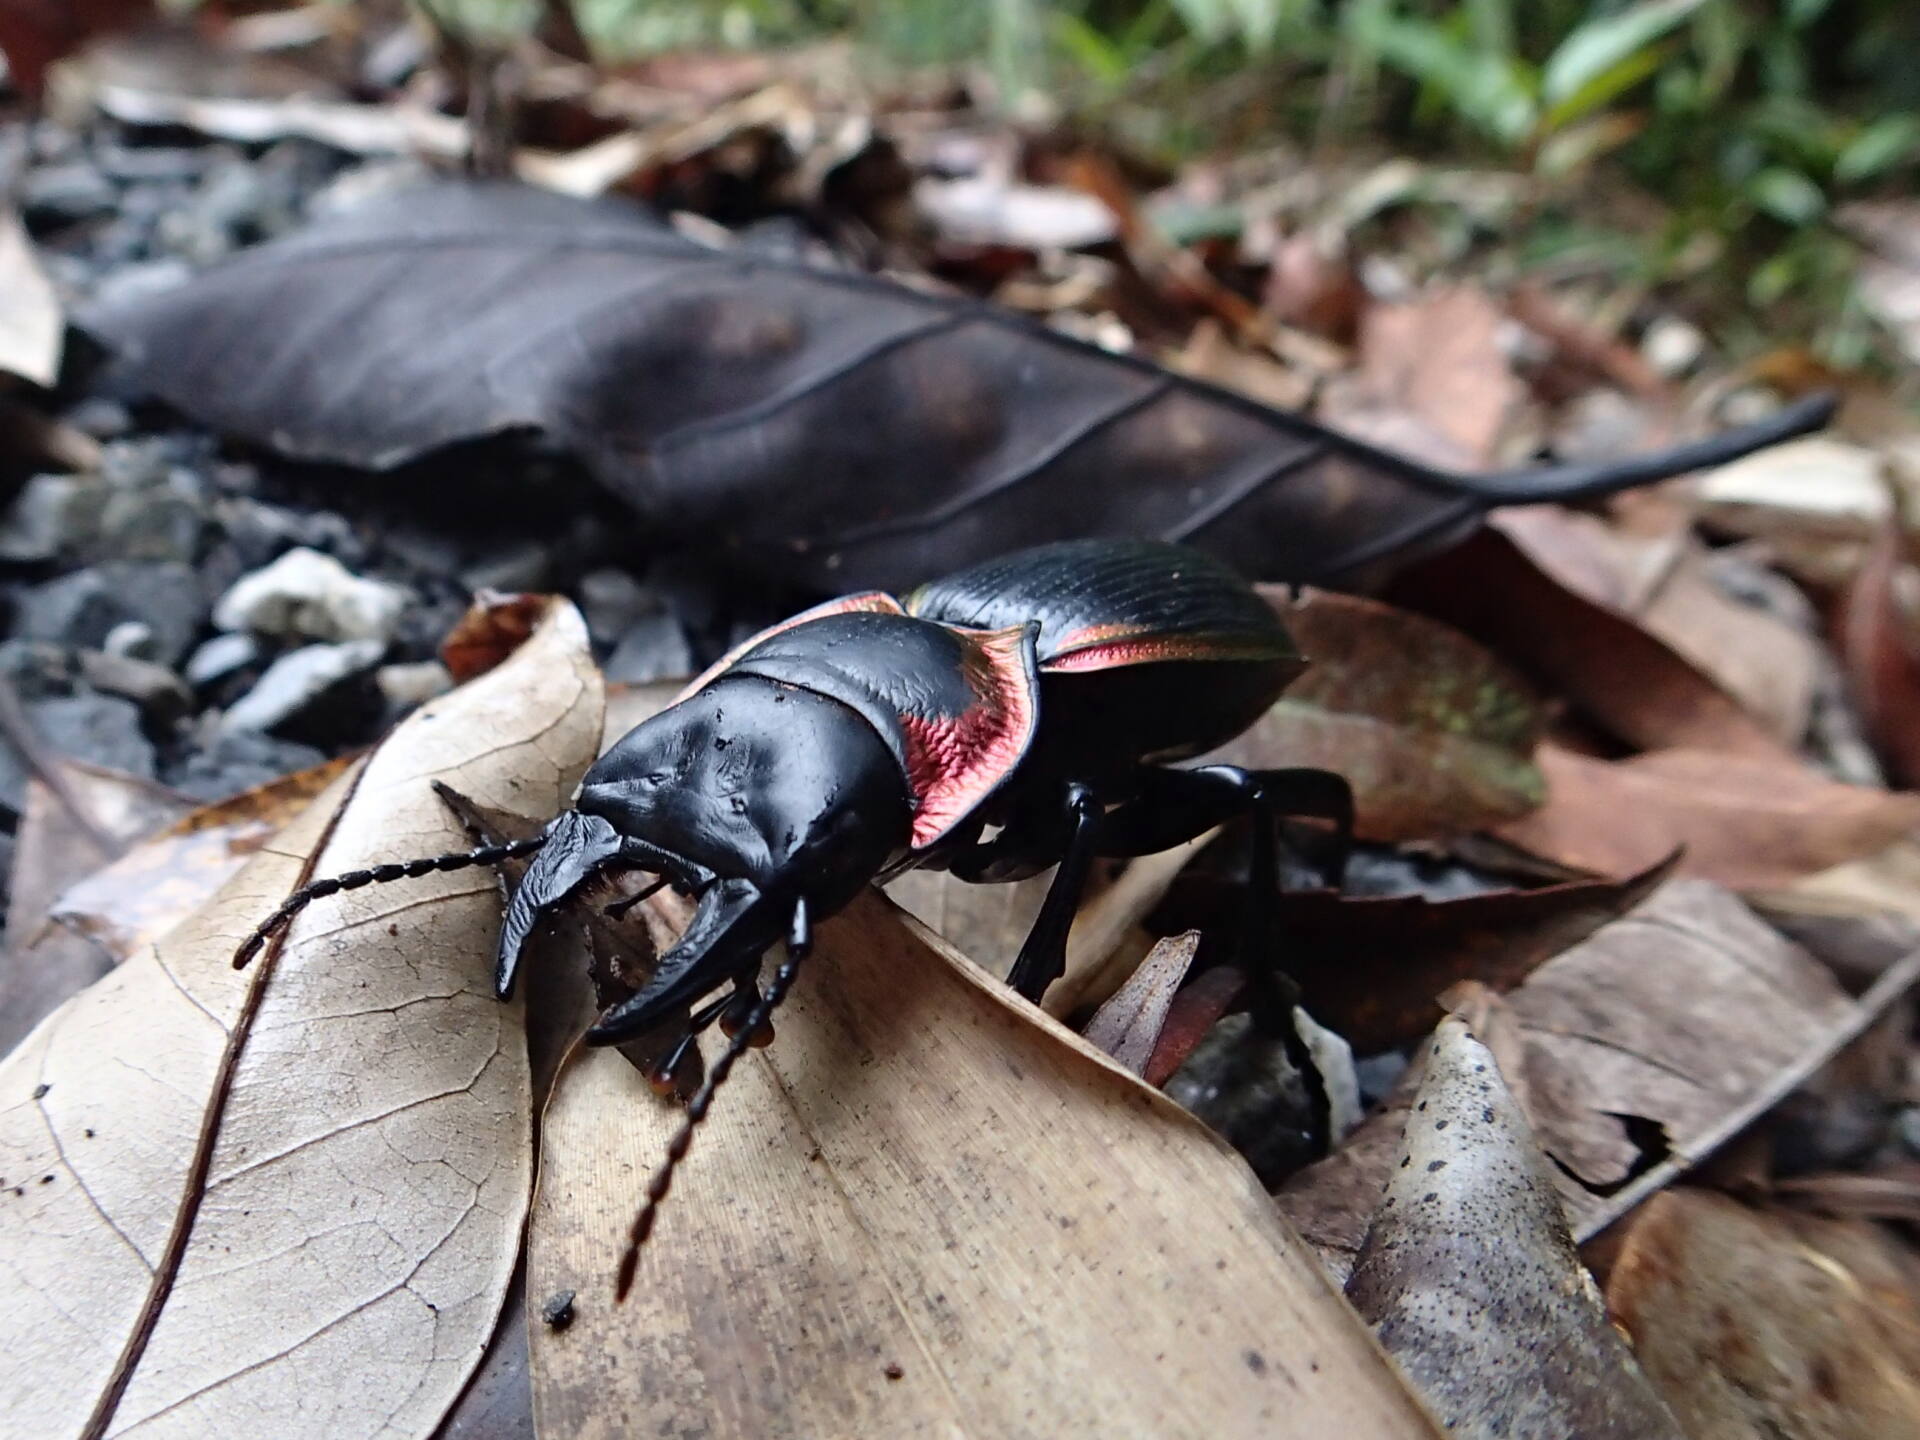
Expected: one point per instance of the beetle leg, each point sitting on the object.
(730, 931)
(1043, 955)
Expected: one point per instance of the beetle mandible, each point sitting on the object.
(1045, 695)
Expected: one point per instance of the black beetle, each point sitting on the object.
(1044, 694)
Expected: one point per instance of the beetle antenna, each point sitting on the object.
(376, 875)
(799, 943)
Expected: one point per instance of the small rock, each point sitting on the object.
(558, 1311)
(524, 567)
(261, 531)
(654, 648)
(1907, 1127)
(1672, 346)
(413, 684)
(132, 638)
(52, 514)
(297, 679)
(82, 608)
(125, 284)
(611, 601)
(101, 729)
(154, 688)
(61, 194)
(35, 669)
(150, 525)
(221, 656)
(428, 552)
(307, 594)
(100, 417)
(238, 761)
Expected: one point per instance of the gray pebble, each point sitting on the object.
(101, 729)
(655, 647)
(220, 657)
(297, 679)
(236, 761)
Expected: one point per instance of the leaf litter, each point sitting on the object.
(340, 1133)
(1677, 715)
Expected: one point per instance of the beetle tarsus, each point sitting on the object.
(799, 946)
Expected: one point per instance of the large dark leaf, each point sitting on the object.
(834, 429)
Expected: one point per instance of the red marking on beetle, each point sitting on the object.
(954, 762)
(873, 601)
(1148, 649)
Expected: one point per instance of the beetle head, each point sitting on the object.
(752, 793)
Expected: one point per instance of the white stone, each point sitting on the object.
(310, 595)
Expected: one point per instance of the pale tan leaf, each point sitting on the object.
(32, 327)
(1472, 1281)
(1602, 1037)
(1754, 1323)
(287, 1201)
(1128, 1025)
(927, 1210)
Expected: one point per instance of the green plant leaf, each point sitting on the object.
(1881, 146)
(1599, 45)
(1493, 92)
(1787, 195)
(1594, 95)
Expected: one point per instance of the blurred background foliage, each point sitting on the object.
(1745, 122)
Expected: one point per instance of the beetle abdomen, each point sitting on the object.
(1108, 604)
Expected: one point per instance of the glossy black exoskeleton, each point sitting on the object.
(1044, 697)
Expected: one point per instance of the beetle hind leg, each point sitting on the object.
(1043, 954)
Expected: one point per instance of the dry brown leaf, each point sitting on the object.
(1434, 734)
(43, 965)
(1756, 1323)
(32, 327)
(1128, 1027)
(1471, 1279)
(1373, 968)
(132, 902)
(287, 1201)
(1689, 1015)
(1750, 824)
(1439, 360)
(1538, 611)
(1876, 644)
(926, 1209)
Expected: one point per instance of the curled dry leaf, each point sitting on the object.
(32, 326)
(1751, 1322)
(132, 902)
(1878, 647)
(757, 372)
(1434, 734)
(1749, 823)
(287, 1201)
(43, 964)
(1471, 1279)
(1374, 969)
(1538, 595)
(927, 1209)
(1639, 1052)
(1129, 1026)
